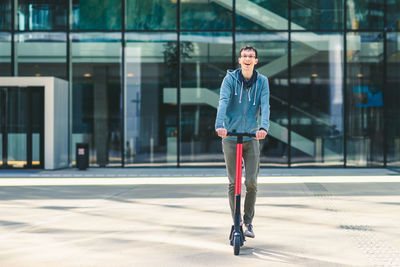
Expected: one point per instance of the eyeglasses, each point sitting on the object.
(248, 56)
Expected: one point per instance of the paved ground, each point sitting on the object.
(308, 217)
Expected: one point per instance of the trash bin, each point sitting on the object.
(82, 156)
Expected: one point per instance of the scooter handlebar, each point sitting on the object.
(241, 134)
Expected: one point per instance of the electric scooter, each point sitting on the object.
(236, 236)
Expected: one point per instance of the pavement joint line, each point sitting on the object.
(189, 180)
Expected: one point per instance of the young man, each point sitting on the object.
(243, 93)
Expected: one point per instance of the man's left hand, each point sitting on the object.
(261, 134)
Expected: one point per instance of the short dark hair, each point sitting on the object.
(247, 47)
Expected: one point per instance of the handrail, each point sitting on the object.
(304, 112)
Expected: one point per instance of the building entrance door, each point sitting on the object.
(22, 127)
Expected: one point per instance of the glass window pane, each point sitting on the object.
(5, 15)
(206, 15)
(205, 57)
(35, 149)
(392, 96)
(151, 15)
(393, 14)
(317, 14)
(96, 96)
(365, 14)
(151, 113)
(5, 54)
(37, 115)
(316, 88)
(261, 15)
(42, 15)
(2, 112)
(42, 54)
(272, 62)
(96, 15)
(17, 124)
(364, 99)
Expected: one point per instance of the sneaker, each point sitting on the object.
(249, 231)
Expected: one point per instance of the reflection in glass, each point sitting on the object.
(2, 122)
(272, 62)
(316, 88)
(16, 127)
(261, 15)
(151, 15)
(5, 54)
(37, 116)
(96, 15)
(205, 58)
(35, 149)
(317, 14)
(364, 99)
(365, 14)
(393, 14)
(392, 96)
(5, 15)
(151, 114)
(42, 15)
(206, 15)
(96, 96)
(42, 54)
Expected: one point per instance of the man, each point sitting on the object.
(243, 93)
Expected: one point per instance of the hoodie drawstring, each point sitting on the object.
(255, 95)
(235, 87)
(248, 93)
(241, 90)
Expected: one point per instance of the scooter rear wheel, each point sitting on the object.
(236, 245)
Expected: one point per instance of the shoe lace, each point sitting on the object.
(250, 227)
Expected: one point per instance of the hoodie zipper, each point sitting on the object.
(245, 111)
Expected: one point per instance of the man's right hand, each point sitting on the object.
(222, 132)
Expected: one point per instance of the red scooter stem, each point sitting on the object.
(239, 155)
(238, 182)
(237, 235)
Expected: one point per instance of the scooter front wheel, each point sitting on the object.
(236, 244)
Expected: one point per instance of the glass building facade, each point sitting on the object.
(145, 76)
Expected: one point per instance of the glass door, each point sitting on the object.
(22, 127)
(16, 127)
(2, 124)
(36, 138)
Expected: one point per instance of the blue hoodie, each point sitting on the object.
(239, 108)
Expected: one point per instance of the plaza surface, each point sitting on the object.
(180, 217)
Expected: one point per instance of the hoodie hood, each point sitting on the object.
(248, 83)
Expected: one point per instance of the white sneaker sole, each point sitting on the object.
(248, 234)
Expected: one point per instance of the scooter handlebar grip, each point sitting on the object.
(241, 134)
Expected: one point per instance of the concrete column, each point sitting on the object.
(319, 149)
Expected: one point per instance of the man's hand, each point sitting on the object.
(222, 132)
(261, 134)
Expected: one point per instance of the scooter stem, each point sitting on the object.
(238, 180)
(239, 155)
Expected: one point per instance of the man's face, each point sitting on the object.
(248, 60)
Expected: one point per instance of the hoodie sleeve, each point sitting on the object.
(265, 106)
(225, 95)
